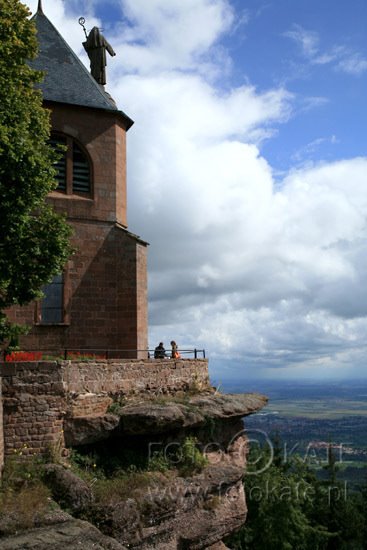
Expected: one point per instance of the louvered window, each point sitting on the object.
(81, 175)
(73, 168)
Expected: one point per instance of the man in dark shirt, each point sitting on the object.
(159, 352)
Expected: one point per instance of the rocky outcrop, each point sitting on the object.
(67, 489)
(193, 512)
(84, 430)
(189, 513)
(149, 417)
(72, 534)
(177, 509)
(171, 512)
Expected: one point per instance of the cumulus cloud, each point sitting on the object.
(260, 273)
(167, 35)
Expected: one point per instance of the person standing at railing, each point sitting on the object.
(159, 352)
(174, 353)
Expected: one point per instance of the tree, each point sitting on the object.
(278, 498)
(34, 240)
(289, 508)
(339, 510)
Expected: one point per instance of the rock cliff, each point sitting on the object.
(176, 508)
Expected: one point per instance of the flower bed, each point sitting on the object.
(23, 356)
(38, 356)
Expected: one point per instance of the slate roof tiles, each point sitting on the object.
(66, 79)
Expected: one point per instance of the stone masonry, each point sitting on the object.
(39, 396)
(105, 295)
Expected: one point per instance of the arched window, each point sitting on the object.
(73, 167)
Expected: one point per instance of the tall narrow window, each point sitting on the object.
(73, 168)
(52, 306)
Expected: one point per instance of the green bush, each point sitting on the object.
(159, 462)
(191, 459)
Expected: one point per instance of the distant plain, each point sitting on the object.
(307, 417)
(307, 399)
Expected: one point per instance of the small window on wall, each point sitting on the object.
(52, 305)
(73, 168)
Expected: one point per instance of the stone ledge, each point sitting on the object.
(72, 534)
(151, 417)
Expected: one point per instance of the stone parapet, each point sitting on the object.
(39, 396)
(134, 376)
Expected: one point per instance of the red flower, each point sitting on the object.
(23, 356)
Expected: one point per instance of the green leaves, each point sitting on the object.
(289, 508)
(34, 243)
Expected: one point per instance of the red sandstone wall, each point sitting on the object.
(120, 171)
(140, 306)
(104, 137)
(106, 279)
(106, 295)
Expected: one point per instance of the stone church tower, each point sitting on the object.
(99, 302)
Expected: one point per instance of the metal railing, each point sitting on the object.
(96, 353)
(196, 353)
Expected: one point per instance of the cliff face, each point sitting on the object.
(177, 510)
(192, 502)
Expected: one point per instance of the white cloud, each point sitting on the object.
(340, 57)
(308, 151)
(307, 40)
(172, 34)
(270, 276)
(353, 64)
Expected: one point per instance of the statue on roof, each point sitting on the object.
(96, 46)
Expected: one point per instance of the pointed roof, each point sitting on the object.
(66, 79)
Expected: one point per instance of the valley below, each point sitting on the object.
(308, 419)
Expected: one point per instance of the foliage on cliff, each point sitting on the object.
(34, 240)
(289, 508)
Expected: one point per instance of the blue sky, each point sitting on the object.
(316, 50)
(247, 173)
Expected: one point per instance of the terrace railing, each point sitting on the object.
(95, 353)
